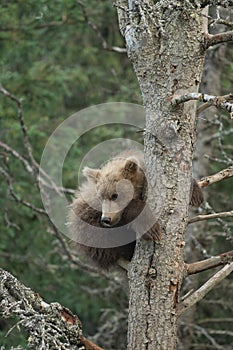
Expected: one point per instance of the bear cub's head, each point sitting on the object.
(116, 183)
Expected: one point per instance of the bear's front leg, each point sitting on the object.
(145, 225)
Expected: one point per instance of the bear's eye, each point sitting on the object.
(114, 197)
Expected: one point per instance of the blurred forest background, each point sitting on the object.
(60, 57)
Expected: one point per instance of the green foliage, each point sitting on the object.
(53, 60)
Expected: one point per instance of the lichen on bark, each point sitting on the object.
(164, 41)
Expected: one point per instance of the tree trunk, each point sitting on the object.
(164, 43)
(211, 84)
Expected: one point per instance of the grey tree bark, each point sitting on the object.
(165, 44)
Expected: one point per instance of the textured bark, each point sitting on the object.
(164, 42)
(201, 166)
(49, 326)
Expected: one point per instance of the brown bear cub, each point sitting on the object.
(110, 212)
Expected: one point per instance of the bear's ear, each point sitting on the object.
(131, 165)
(91, 174)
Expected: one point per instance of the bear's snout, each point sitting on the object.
(106, 221)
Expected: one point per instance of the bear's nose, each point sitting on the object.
(106, 221)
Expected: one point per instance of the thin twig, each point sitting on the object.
(97, 31)
(217, 101)
(206, 334)
(225, 214)
(16, 197)
(217, 134)
(18, 156)
(216, 21)
(223, 3)
(22, 125)
(217, 320)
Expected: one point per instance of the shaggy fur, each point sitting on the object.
(105, 194)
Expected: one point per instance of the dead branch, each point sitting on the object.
(216, 21)
(217, 320)
(16, 197)
(225, 214)
(97, 31)
(210, 263)
(18, 156)
(217, 101)
(218, 160)
(59, 190)
(26, 142)
(200, 293)
(217, 135)
(225, 225)
(223, 3)
(210, 40)
(33, 167)
(206, 105)
(219, 176)
(208, 180)
(49, 325)
(206, 334)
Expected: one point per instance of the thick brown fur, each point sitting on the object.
(95, 199)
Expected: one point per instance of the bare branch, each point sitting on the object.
(200, 293)
(205, 333)
(206, 105)
(220, 332)
(18, 156)
(221, 175)
(210, 263)
(49, 325)
(217, 320)
(217, 101)
(97, 31)
(218, 160)
(16, 197)
(225, 225)
(217, 135)
(22, 125)
(224, 214)
(52, 24)
(219, 38)
(221, 21)
(29, 169)
(223, 3)
(40, 25)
